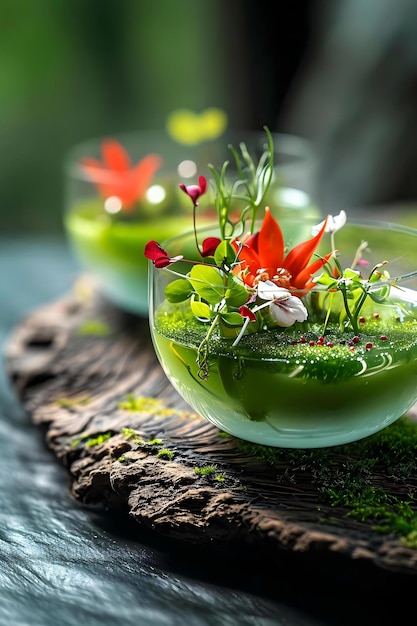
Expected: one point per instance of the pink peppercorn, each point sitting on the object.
(368, 346)
(356, 339)
(362, 320)
(383, 337)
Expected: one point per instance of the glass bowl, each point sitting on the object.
(108, 241)
(315, 384)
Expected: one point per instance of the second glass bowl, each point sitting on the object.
(109, 240)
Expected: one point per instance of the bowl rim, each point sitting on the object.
(364, 222)
(295, 146)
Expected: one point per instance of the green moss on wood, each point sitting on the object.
(147, 405)
(97, 441)
(95, 328)
(210, 470)
(166, 454)
(349, 477)
(205, 471)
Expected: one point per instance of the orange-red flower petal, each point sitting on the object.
(115, 176)
(297, 258)
(263, 253)
(270, 242)
(115, 157)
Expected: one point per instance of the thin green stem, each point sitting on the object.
(195, 228)
(364, 295)
(329, 308)
(347, 308)
(202, 354)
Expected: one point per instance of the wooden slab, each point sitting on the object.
(87, 374)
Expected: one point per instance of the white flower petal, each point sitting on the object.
(286, 312)
(267, 290)
(334, 223)
(285, 309)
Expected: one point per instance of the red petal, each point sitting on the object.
(90, 164)
(94, 170)
(248, 257)
(162, 262)
(141, 176)
(301, 280)
(203, 184)
(209, 246)
(153, 251)
(245, 311)
(107, 182)
(298, 258)
(270, 242)
(115, 156)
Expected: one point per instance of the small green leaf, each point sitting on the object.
(230, 325)
(232, 319)
(329, 281)
(201, 309)
(225, 254)
(179, 290)
(208, 283)
(381, 295)
(351, 274)
(238, 294)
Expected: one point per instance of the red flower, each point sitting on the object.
(195, 191)
(209, 246)
(245, 311)
(115, 175)
(262, 257)
(159, 257)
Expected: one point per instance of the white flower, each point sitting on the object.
(267, 290)
(333, 224)
(285, 309)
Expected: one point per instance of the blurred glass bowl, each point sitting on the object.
(114, 203)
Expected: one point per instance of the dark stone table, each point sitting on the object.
(90, 536)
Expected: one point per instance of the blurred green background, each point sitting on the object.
(75, 69)
(341, 74)
(71, 70)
